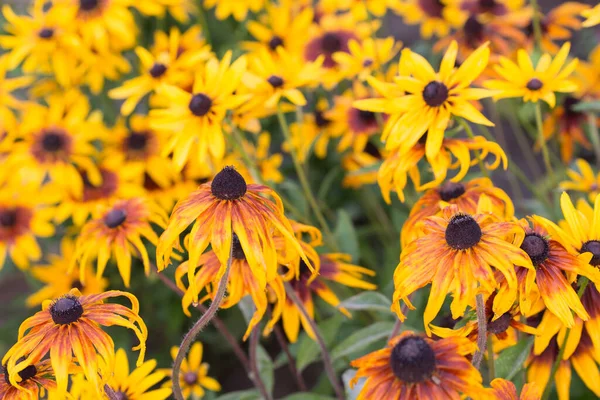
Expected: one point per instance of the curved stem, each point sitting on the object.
(255, 373)
(305, 185)
(482, 331)
(469, 131)
(540, 132)
(327, 364)
(291, 362)
(398, 324)
(198, 326)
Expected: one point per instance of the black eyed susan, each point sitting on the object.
(397, 167)
(522, 79)
(58, 281)
(582, 180)
(179, 9)
(416, 367)
(238, 9)
(193, 377)
(367, 57)
(592, 15)
(8, 101)
(434, 16)
(36, 380)
(566, 123)
(465, 195)
(221, 208)
(431, 99)
(241, 282)
(195, 119)
(115, 233)
(557, 25)
(456, 254)
(502, 389)
(71, 325)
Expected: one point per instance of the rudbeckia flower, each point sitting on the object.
(412, 366)
(58, 281)
(36, 380)
(179, 9)
(117, 232)
(582, 180)
(431, 99)
(238, 9)
(311, 134)
(505, 390)
(195, 119)
(592, 15)
(465, 195)
(71, 325)
(361, 167)
(557, 25)
(434, 16)
(221, 208)
(9, 102)
(521, 79)
(456, 254)
(367, 57)
(193, 377)
(567, 124)
(490, 9)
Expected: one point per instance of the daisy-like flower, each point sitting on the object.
(71, 325)
(584, 180)
(465, 195)
(195, 119)
(96, 67)
(267, 164)
(221, 208)
(44, 41)
(413, 366)
(592, 15)
(364, 58)
(8, 102)
(36, 380)
(567, 124)
(432, 99)
(434, 16)
(273, 75)
(179, 9)
(487, 8)
(501, 389)
(23, 217)
(521, 79)
(456, 254)
(193, 376)
(241, 283)
(238, 9)
(58, 281)
(397, 168)
(117, 231)
(557, 25)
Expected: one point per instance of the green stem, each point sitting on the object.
(204, 24)
(542, 140)
(490, 361)
(481, 331)
(583, 284)
(305, 185)
(537, 27)
(469, 131)
(594, 137)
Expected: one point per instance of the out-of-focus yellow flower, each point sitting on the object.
(434, 16)
(237, 8)
(585, 180)
(179, 9)
(367, 57)
(592, 15)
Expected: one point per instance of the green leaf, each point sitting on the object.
(346, 235)
(368, 300)
(308, 396)
(585, 106)
(241, 395)
(265, 368)
(362, 339)
(308, 350)
(511, 360)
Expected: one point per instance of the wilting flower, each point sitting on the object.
(431, 99)
(413, 366)
(35, 381)
(193, 376)
(457, 246)
(71, 325)
(221, 208)
(584, 180)
(522, 79)
(115, 233)
(505, 390)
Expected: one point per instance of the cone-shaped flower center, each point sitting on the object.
(413, 360)
(66, 310)
(435, 94)
(275, 81)
(534, 84)
(228, 184)
(451, 190)
(275, 42)
(27, 373)
(593, 246)
(238, 252)
(473, 30)
(88, 5)
(46, 33)
(53, 141)
(536, 248)
(158, 70)
(200, 104)
(500, 325)
(137, 140)
(114, 218)
(368, 117)
(190, 378)
(463, 232)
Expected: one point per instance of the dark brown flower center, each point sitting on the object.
(88, 5)
(8, 218)
(200, 104)
(137, 141)
(500, 325)
(367, 117)
(27, 373)
(158, 70)
(433, 8)
(463, 232)
(66, 310)
(238, 251)
(76, 284)
(320, 119)
(275, 42)
(46, 33)
(110, 184)
(331, 43)
(121, 395)
(534, 84)
(451, 190)
(228, 185)
(593, 246)
(275, 81)
(53, 142)
(568, 105)
(47, 6)
(435, 94)
(115, 218)
(536, 248)
(473, 31)
(190, 378)
(413, 360)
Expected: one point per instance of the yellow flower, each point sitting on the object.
(96, 67)
(567, 124)
(361, 168)
(195, 119)
(179, 9)
(8, 102)
(521, 79)
(193, 377)
(505, 390)
(431, 100)
(434, 16)
(58, 280)
(592, 15)
(310, 134)
(36, 382)
(584, 180)
(367, 57)
(237, 8)
(557, 25)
